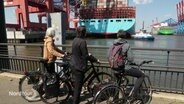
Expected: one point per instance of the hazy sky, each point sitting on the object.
(146, 10)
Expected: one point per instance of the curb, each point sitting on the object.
(171, 96)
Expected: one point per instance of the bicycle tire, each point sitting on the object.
(146, 91)
(109, 94)
(99, 78)
(29, 94)
(64, 94)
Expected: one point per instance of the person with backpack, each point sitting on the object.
(118, 54)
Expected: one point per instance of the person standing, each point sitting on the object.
(79, 62)
(50, 51)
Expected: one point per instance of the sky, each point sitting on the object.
(146, 10)
(149, 10)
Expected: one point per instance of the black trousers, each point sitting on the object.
(134, 73)
(50, 67)
(78, 77)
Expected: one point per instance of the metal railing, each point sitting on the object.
(162, 57)
(166, 74)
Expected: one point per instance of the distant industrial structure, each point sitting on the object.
(97, 15)
(24, 29)
(169, 25)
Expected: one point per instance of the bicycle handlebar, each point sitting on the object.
(143, 62)
(65, 58)
(93, 59)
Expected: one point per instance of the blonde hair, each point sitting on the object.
(50, 32)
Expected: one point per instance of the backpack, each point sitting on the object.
(115, 57)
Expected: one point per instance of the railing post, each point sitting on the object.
(15, 50)
(3, 36)
(41, 50)
(168, 52)
(15, 41)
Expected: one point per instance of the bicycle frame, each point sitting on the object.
(91, 74)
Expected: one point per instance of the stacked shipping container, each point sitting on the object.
(107, 9)
(94, 13)
(111, 3)
(106, 3)
(100, 15)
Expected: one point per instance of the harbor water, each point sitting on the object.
(161, 42)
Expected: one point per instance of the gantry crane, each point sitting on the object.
(24, 8)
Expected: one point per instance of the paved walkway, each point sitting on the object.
(9, 84)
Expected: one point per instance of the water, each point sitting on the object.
(163, 42)
(171, 42)
(159, 57)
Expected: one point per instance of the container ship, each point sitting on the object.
(106, 17)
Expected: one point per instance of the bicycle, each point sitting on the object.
(31, 84)
(90, 80)
(119, 92)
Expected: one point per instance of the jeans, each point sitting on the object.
(51, 67)
(78, 77)
(134, 73)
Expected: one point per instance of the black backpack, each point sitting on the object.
(115, 57)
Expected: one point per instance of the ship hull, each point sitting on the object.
(108, 26)
(166, 31)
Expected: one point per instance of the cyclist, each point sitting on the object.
(79, 62)
(128, 71)
(50, 51)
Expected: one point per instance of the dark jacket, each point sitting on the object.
(79, 54)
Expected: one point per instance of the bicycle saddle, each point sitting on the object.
(63, 64)
(43, 60)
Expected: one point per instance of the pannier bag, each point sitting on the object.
(51, 84)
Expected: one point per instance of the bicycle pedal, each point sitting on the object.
(137, 102)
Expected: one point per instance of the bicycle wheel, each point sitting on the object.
(64, 93)
(109, 94)
(99, 78)
(27, 87)
(146, 91)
